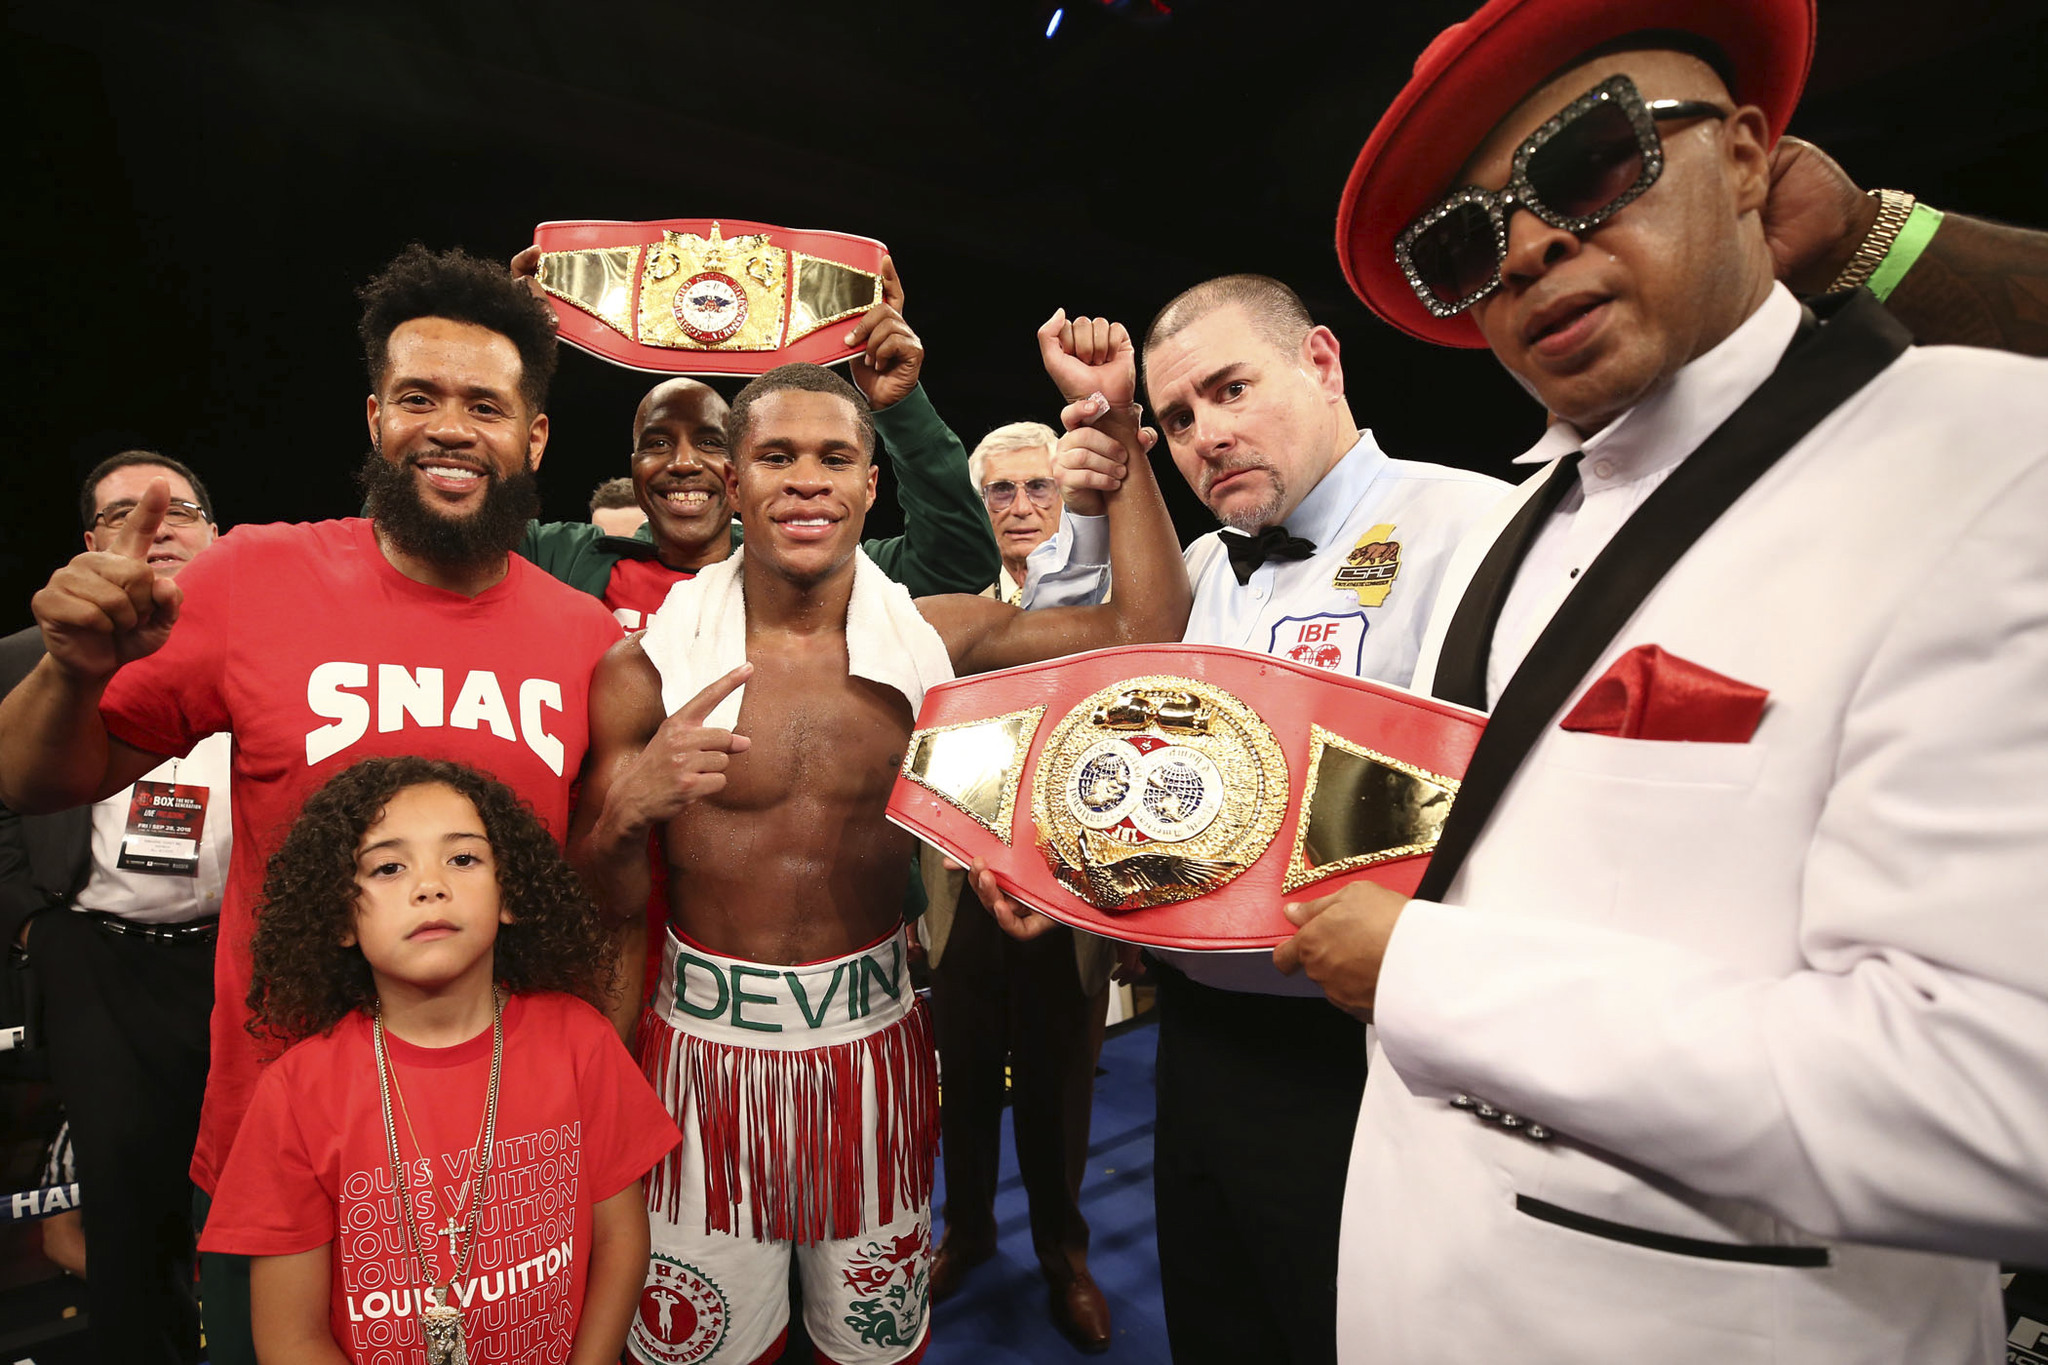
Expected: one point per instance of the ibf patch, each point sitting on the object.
(1331, 642)
(1371, 567)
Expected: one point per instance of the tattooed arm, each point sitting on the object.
(1977, 283)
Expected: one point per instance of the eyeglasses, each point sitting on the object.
(1575, 172)
(1003, 492)
(177, 514)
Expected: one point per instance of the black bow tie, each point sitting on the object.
(1273, 542)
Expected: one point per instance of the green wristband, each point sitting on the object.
(1914, 235)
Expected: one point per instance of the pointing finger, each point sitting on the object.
(139, 530)
(704, 703)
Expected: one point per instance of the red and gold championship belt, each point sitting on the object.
(707, 296)
(1178, 795)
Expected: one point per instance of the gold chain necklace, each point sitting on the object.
(454, 1202)
(440, 1320)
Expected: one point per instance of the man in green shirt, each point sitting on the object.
(678, 472)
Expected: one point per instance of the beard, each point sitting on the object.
(476, 541)
(1255, 517)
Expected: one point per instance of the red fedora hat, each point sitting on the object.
(1475, 73)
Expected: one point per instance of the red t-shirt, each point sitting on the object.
(638, 587)
(577, 1123)
(305, 643)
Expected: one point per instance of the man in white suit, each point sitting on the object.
(1719, 1030)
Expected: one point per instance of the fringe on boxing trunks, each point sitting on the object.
(776, 1063)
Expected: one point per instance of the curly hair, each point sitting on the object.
(462, 288)
(306, 981)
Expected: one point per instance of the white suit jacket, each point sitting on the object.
(1782, 1001)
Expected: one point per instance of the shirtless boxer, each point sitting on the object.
(808, 1095)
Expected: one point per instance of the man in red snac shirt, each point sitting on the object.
(414, 631)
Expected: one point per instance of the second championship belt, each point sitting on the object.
(1178, 795)
(707, 296)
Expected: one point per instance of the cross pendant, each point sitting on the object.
(451, 1232)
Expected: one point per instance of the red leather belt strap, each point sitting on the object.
(1178, 795)
(707, 296)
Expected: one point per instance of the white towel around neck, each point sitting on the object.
(700, 634)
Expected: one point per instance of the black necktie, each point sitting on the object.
(1272, 542)
(1468, 641)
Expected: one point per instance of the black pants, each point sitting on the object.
(1258, 1097)
(991, 997)
(126, 1021)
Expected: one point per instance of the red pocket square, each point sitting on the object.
(1649, 694)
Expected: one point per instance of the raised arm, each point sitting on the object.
(946, 545)
(1149, 594)
(102, 610)
(1974, 283)
(569, 551)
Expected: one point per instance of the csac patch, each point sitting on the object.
(681, 1318)
(1371, 567)
(1331, 642)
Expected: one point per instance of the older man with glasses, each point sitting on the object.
(1040, 1005)
(1013, 469)
(115, 908)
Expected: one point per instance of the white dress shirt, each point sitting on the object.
(1624, 463)
(158, 897)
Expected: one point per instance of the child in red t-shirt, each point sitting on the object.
(455, 1145)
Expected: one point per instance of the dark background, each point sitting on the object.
(195, 192)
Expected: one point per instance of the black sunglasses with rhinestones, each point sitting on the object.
(1575, 172)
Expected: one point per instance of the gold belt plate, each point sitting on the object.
(1157, 789)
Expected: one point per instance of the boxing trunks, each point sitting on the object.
(808, 1100)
